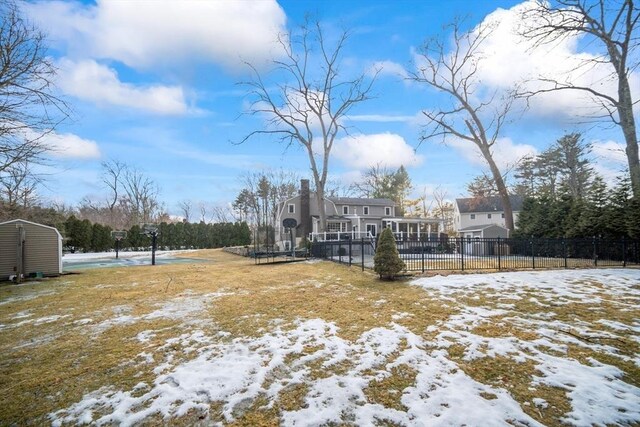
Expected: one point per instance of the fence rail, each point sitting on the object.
(492, 254)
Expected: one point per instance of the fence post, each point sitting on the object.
(499, 250)
(462, 252)
(595, 253)
(564, 251)
(350, 252)
(533, 255)
(422, 248)
(624, 252)
(362, 252)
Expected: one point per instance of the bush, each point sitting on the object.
(387, 261)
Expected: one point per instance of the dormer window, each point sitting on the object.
(365, 210)
(345, 210)
(291, 208)
(387, 210)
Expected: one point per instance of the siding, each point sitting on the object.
(42, 249)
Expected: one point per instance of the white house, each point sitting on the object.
(472, 214)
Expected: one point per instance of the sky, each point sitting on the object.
(157, 84)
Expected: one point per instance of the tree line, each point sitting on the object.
(565, 197)
(84, 236)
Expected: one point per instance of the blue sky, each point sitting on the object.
(155, 84)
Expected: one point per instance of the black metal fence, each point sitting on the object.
(489, 254)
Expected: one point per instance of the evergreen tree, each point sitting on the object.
(387, 261)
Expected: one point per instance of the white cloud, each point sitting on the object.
(505, 152)
(68, 145)
(380, 118)
(100, 84)
(144, 34)
(509, 59)
(385, 149)
(388, 68)
(609, 160)
(609, 152)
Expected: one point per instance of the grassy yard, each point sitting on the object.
(316, 343)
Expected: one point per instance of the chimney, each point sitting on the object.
(305, 210)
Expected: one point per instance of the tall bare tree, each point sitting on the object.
(472, 116)
(113, 172)
(29, 107)
(141, 196)
(186, 207)
(308, 97)
(613, 27)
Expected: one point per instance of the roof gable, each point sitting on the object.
(488, 204)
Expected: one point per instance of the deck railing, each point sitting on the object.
(335, 236)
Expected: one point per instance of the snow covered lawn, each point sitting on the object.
(313, 344)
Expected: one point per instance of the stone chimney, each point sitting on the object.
(305, 208)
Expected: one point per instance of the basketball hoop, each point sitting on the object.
(118, 235)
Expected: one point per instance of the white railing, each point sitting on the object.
(332, 236)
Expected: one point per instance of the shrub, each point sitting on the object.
(387, 261)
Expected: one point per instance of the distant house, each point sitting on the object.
(347, 218)
(472, 214)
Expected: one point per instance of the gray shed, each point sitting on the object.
(475, 246)
(41, 249)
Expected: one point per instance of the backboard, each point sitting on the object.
(119, 234)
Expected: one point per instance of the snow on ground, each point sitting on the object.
(236, 372)
(89, 256)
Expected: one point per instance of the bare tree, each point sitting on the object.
(444, 210)
(610, 25)
(29, 108)
(202, 208)
(141, 196)
(18, 186)
(471, 117)
(313, 96)
(186, 207)
(112, 174)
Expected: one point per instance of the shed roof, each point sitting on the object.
(481, 227)
(488, 204)
(32, 223)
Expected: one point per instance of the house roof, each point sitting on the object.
(361, 201)
(480, 227)
(488, 204)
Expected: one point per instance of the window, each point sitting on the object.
(365, 210)
(473, 216)
(345, 210)
(489, 216)
(292, 208)
(502, 215)
(336, 227)
(387, 210)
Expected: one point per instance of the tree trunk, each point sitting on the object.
(628, 124)
(322, 213)
(501, 186)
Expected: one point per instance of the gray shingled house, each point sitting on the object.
(347, 218)
(40, 249)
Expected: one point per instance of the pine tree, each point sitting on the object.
(387, 261)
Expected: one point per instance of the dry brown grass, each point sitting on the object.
(51, 365)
